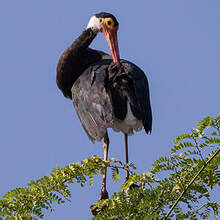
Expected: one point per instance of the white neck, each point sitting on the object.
(93, 24)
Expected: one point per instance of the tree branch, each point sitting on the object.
(191, 182)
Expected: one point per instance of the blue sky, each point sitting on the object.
(176, 43)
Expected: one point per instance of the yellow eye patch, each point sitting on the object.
(109, 22)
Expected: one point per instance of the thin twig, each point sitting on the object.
(191, 182)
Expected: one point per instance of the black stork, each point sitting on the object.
(105, 94)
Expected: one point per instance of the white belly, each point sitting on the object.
(129, 124)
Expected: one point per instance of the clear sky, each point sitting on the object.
(176, 43)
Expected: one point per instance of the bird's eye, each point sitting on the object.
(109, 22)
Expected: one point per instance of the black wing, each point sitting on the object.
(99, 96)
(142, 108)
(130, 84)
(91, 101)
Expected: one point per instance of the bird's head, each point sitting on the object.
(108, 25)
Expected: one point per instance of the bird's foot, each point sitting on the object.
(96, 209)
(134, 186)
(103, 195)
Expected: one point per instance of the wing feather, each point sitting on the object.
(141, 107)
(92, 103)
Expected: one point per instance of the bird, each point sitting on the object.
(106, 91)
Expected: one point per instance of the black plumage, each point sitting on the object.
(99, 92)
(103, 90)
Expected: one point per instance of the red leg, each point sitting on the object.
(104, 193)
(126, 155)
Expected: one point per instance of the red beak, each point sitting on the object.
(111, 37)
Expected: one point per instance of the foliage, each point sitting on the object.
(188, 179)
(181, 183)
(29, 202)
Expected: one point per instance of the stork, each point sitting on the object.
(106, 91)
